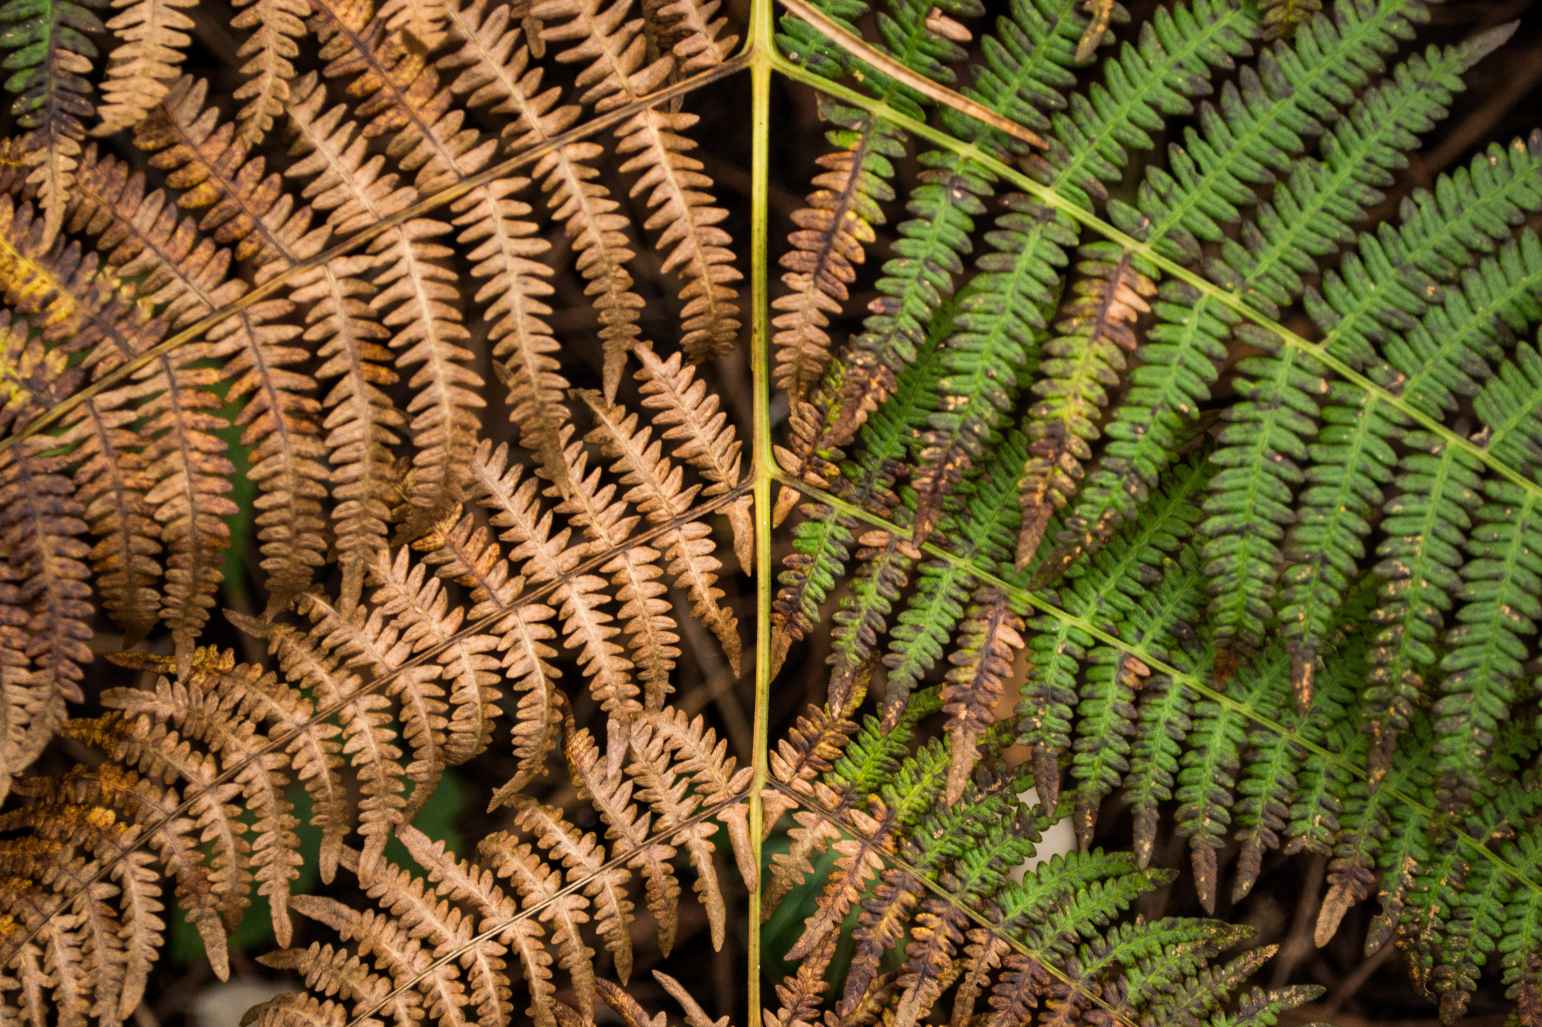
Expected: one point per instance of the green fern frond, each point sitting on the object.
(1328, 61)
(1103, 592)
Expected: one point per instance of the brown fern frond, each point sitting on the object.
(931, 963)
(502, 241)
(464, 553)
(152, 42)
(43, 552)
(173, 458)
(505, 250)
(372, 644)
(704, 437)
(95, 816)
(213, 717)
(657, 490)
(494, 72)
(684, 215)
(422, 23)
(417, 298)
(267, 55)
(387, 942)
(806, 752)
(406, 596)
(653, 642)
(991, 638)
(252, 212)
(705, 759)
(442, 928)
(857, 861)
(829, 240)
(368, 736)
(329, 972)
(583, 858)
(701, 39)
(210, 163)
(31, 711)
(881, 925)
(474, 886)
(610, 791)
(662, 786)
(399, 94)
(564, 911)
(514, 509)
(362, 423)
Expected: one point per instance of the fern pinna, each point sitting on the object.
(399, 397)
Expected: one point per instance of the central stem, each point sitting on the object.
(763, 466)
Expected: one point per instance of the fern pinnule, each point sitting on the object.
(387, 942)
(828, 242)
(367, 736)
(467, 663)
(1080, 365)
(991, 639)
(362, 423)
(41, 529)
(1439, 481)
(152, 42)
(653, 639)
(703, 436)
(210, 164)
(50, 58)
(1107, 587)
(665, 788)
(706, 761)
(174, 461)
(583, 857)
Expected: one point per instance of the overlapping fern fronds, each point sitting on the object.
(1163, 477)
(1279, 625)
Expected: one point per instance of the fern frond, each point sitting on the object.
(1107, 590)
(828, 243)
(655, 488)
(990, 641)
(417, 298)
(1328, 59)
(514, 509)
(152, 42)
(494, 70)
(628, 827)
(50, 56)
(684, 215)
(268, 54)
(703, 435)
(1264, 440)
(1440, 485)
(41, 529)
